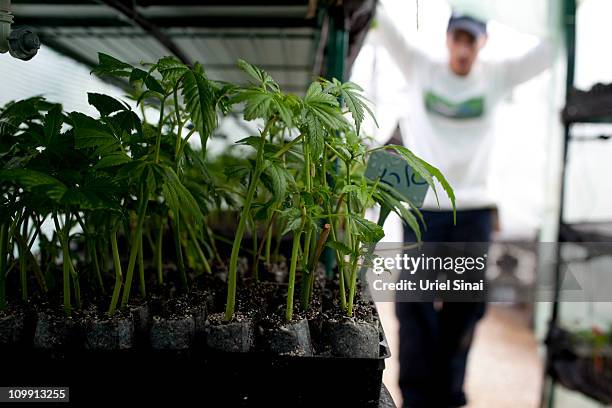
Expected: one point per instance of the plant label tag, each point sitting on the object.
(394, 171)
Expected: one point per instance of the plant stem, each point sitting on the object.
(294, 255)
(158, 252)
(159, 130)
(141, 275)
(353, 282)
(233, 266)
(213, 244)
(75, 278)
(23, 259)
(136, 238)
(198, 248)
(255, 251)
(65, 267)
(3, 262)
(266, 242)
(309, 281)
(179, 125)
(349, 239)
(288, 146)
(269, 239)
(179, 250)
(94, 253)
(118, 273)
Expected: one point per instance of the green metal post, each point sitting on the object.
(569, 23)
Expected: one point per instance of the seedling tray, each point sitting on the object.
(210, 377)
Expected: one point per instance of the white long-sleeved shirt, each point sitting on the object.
(449, 118)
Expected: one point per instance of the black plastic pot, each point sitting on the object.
(232, 379)
(255, 378)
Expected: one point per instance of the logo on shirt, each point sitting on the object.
(468, 109)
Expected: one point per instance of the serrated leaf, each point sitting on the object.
(293, 219)
(127, 121)
(283, 110)
(35, 181)
(89, 132)
(339, 246)
(262, 78)
(257, 103)
(253, 141)
(370, 232)
(427, 172)
(147, 79)
(105, 104)
(275, 180)
(171, 69)
(108, 65)
(356, 103)
(237, 171)
(53, 122)
(199, 99)
(112, 159)
(178, 197)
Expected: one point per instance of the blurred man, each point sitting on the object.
(449, 123)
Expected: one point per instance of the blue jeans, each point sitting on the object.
(434, 344)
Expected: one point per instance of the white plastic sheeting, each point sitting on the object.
(538, 17)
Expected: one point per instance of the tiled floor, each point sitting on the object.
(504, 368)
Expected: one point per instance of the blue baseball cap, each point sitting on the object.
(466, 23)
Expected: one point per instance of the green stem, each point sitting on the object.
(266, 242)
(339, 256)
(294, 255)
(158, 252)
(255, 251)
(179, 250)
(353, 283)
(23, 260)
(349, 239)
(288, 146)
(185, 141)
(141, 274)
(65, 267)
(96, 262)
(75, 279)
(242, 223)
(118, 273)
(198, 248)
(179, 125)
(269, 239)
(213, 244)
(308, 287)
(134, 249)
(159, 130)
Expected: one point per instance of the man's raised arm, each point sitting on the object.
(405, 55)
(520, 69)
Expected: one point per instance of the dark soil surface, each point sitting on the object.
(173, 319)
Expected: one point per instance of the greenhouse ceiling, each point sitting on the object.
(287, 38)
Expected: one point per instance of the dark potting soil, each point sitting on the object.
(171, 319)
(102, 332)
(286, 338)
(277, 270)
(87, 329)
(12, 326)
(235, 336)
(179, 322)
(352, 338)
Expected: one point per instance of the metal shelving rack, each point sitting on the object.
(571, 115)
(294, 40)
